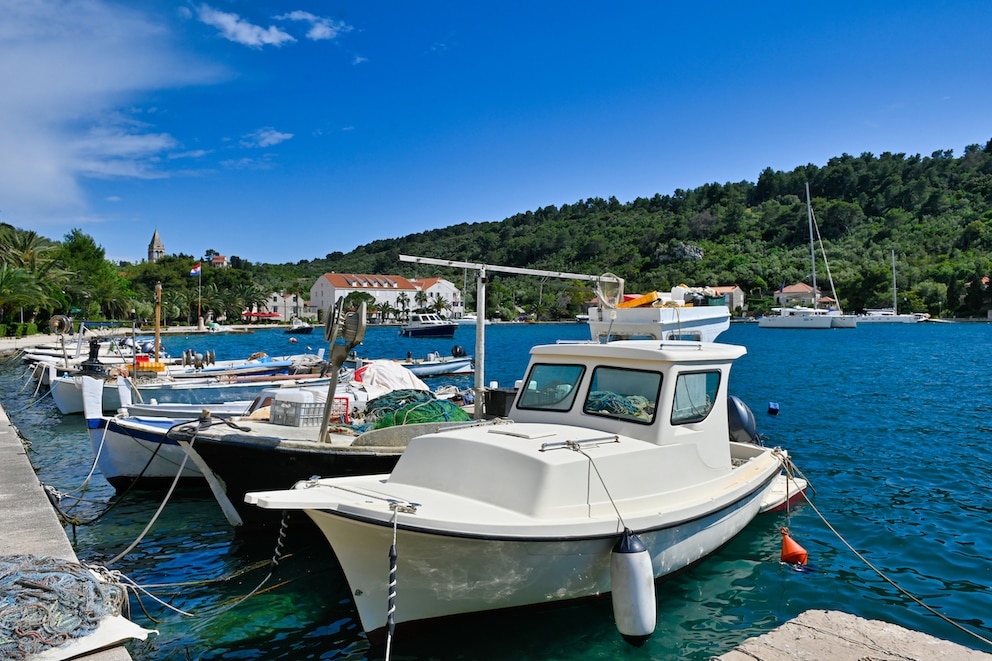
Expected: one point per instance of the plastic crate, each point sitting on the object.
(307, 414)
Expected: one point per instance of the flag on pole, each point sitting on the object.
(195, 270)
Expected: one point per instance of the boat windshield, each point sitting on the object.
(623, 394)
(695, 393)
(551, 387)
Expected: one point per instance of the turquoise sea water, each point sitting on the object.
(891, 423)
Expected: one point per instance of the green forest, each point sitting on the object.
(934, 212)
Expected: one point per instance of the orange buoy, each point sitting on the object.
(792, 553)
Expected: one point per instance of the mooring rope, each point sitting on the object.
(878, 571)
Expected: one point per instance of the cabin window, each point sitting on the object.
(695, 394)
(551, 387)
(623, 394)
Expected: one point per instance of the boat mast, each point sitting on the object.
(812, 250)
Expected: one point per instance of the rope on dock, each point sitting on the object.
(45, 602)
(885, 578)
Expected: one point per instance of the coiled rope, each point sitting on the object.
(45, 602)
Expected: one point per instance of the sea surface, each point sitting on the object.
(891, 423)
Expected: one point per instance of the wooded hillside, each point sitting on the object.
(935, 212)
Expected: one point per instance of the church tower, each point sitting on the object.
(156, 248)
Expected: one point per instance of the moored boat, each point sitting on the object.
(428, 325)
(629, 435)
(299, 327)
(683, 313)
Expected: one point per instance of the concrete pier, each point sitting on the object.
(28, 522)
(820, 635)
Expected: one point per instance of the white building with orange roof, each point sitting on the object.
(801, 294)
(399, 292)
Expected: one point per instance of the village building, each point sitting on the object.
(734, 297)
(400, 293)
(801, 294)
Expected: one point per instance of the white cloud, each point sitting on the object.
(233, 28)
(264, 137)
(321, 28)
(68, 70)
(193, 153)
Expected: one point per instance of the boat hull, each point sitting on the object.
(141, 452)
(442, 575)
(68, 392)
(440, 330)
(816, 322)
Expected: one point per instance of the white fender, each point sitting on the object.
(124, 391)
(632, 578)
(92, 400)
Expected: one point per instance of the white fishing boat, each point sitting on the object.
(431, 365)
(607, 444)
(190, 382)
(67, 389)
(815, 317)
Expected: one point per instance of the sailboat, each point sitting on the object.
(891, 315)
(815, 317)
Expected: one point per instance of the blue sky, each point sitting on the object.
(285, 130)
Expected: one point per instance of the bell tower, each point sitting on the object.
(156, 248)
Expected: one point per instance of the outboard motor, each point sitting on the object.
(743, 428)
(457, 351)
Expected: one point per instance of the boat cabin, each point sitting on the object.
(644, 389)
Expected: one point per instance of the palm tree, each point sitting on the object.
(439, 303)
(250, 298)
(212, 301)
(17, 289)
(404, 302)
(421, 299)
(36, 256)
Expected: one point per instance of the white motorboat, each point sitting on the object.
(469, 319)
(684, 313)
(428, 325)
(604, 439)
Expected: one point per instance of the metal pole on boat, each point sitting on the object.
(480, 343)
(158, 320)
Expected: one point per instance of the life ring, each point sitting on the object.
(60, 324)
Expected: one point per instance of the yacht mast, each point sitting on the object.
(812, 250)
